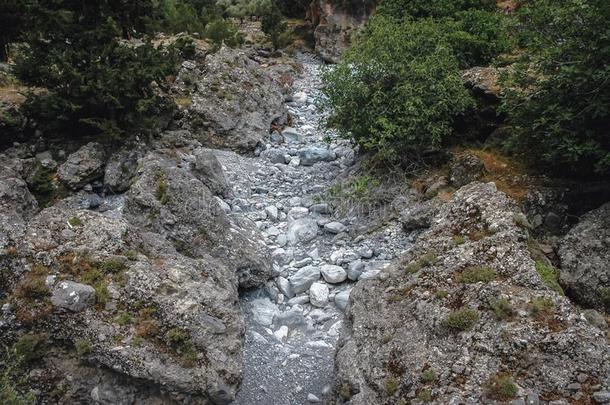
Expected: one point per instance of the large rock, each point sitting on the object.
(172, 201)
(121, 169)
(333, 274)
(82, 166)
(465, 169)
(73, 296)
(585, 259)
(209, 170)
(312, 155)
(404, 321)
(304, 278)
(336, 25)
(234, 100)
(302, 230)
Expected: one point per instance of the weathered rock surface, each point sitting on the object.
(465, 169)
(400, 327)
(121, 169)
(82, 166)
(234, 100)
(585, 260)
(336, 25)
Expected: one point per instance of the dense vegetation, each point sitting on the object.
(559, 92)
(397, 91)
(91, 79)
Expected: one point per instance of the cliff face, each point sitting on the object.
(336, 25)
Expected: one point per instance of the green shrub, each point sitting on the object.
(557, 96)
(441, 294)
(83, 347)
(124, 319)
(397, 90)
(431, 8)
(273, 24)
(96, 86)
(112, 266)
(550, 276)
(9, 393)
(220, 31)
(425, 395)
(502, 308)
(428, 376)
(542, 307)
(459, 240)
(76, 222)
(162, 188)
(478, 274)
(391, 386)
(462, 319)
(501, 387)
(176, 336)
(30, 347)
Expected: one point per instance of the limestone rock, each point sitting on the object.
(73, 296)
(82, 166)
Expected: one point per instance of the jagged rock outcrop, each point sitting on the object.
(233, 100)
(145, 292)
(585, 259)
(336, 24)
(463, 316)
(82, 166)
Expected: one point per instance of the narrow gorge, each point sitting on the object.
(244, 250)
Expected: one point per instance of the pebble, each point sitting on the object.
(318, 294)
(333, 274)
(312, 398)
(335, 227)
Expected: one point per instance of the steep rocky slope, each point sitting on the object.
(464, 317)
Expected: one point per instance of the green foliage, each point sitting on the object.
(542, 307)
(558, 95)
(459, 240)
(96, 84)
(400, 9)
(501, 387)
(391, 386)
(12, 21)
(478, 274)
(462, 319)
(162, 189)
(550, 276)
(75, 222)
(112, 266)
(273, 24)
(30, 347)
(428, 376)
(425, 395)
(502, 308)
(441, 294)
(397, 90)
(83, 347)
(9, 387)
(221, 31)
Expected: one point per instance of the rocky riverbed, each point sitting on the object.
(293, 323)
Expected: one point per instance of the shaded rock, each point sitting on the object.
(82, 166)
(318, 294)
(207, 168)
(313, 155)
(121, 169)
(465, 169)
(342, 299)
(585, 259)
(333, 274)
(404, 303)
(73, 296)
(304, 278)
(335, 227)
(419, 215)
(263, 311)
(235, 101)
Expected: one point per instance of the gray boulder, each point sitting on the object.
(402, 323)
(73, 296)
(235, 101)
(465, 169)
(208, 169)
(83, 166)
(312, 155)
(333, 274)
(419, 215)
(302, 230)
(174, 202)
(585, 259)
(121, 169)
(303, 279)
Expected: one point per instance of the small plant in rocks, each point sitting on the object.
(428, 376)
(462, 319)
(502, 308)
(478, 274)
(501, 387)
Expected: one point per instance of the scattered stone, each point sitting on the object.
(263, 311)
(313, 155)
(465, 169)
(322, 209)
(284, 286)
(281, 334)
(333, 274)
(318, 294)
(302, 230)
(335, 227)
(73, 296)
(304, 278)
(82, 166)
(342, 299)
(313, 399)
(355, 269)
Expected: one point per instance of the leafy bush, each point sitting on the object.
(221, 31)
(462, 319)
(502, 308)
(96, 85)
(397, 90)
(478, 274)
(550, 276)
(430, 8)
(273, 24)
(501, 387)
(558, 96)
